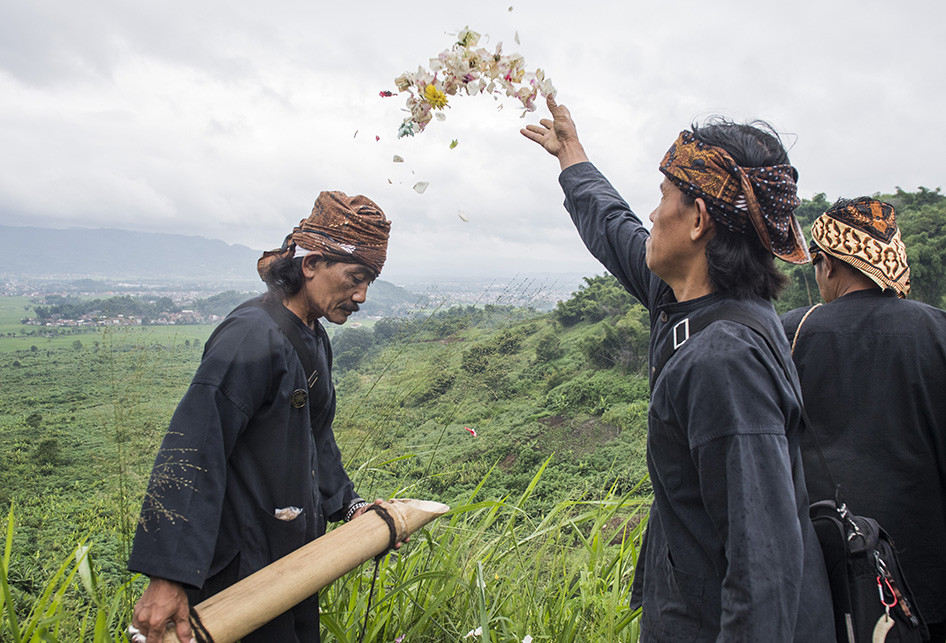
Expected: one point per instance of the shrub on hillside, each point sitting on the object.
(595, 394)
(602, 296)
(350, 346)
(548, 348)
(623, 345)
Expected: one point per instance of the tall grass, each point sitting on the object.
(489, 570)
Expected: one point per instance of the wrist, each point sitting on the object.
(572, 154)
(353, 507)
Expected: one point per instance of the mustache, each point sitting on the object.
(354, 308)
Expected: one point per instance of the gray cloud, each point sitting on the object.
(225, 119)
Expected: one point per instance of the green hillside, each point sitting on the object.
(531, 426)
(558, 438)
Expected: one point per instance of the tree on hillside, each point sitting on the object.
(923, 227)
(349, 346)
(600, 297)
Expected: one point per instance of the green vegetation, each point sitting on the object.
(548, 496)
(550, 487)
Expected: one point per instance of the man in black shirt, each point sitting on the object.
(872, 366)
(729, 552)
(249, 470)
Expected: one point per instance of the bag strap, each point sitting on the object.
(728, 310)
(800, 324)
(291, 331)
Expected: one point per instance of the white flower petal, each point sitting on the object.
(420, 186)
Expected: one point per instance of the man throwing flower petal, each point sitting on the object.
(729, 552)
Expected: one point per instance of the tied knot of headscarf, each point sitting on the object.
(340, 228)
(864, 234)
(740, 198)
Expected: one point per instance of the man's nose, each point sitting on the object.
(361, 294)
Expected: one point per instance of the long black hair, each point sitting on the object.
(284, 277)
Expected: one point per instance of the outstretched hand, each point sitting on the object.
(558, 136)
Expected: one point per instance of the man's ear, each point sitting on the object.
(830, 265)
(309, 263)
(702, 224)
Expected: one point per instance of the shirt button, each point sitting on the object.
(663, 316)
(313, 473)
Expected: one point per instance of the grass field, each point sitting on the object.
(15, 336)
(541, 497)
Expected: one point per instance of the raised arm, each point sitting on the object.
(608, 227)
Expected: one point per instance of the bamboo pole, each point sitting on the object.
(257, 599)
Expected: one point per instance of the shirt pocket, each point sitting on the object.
(676, 613)
(268, 539)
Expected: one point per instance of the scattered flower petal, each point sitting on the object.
(472, 432)
(516, 38)
(466, 68)
(477, 632)
(420, 186)
(510, 8)
(462, 215)
(400, 639)
(356, 134)
(386, 94)
(440, 116)
(377, 138)
(454, 143)
(436, 98)
(527, 638)
(390, 181)
(406, 129)
(397, 159)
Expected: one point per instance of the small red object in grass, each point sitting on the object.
(472, 432)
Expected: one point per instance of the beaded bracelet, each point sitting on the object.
(354, 507)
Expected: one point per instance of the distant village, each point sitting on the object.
(92, 320)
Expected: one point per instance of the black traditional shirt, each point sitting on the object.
(729, 551)
(244, 472)
(873, 375)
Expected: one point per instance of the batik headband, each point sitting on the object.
(340, 228)
(864, 234)
(763, 198)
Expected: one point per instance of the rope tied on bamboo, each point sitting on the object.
(201, 635)
(392, 529)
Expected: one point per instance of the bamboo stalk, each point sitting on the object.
(257, 599)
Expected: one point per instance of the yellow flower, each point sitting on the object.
(436, 98)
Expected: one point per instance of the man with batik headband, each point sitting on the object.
(729, 552)
(872, 366)
(249, 470)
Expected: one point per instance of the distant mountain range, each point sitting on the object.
(120, 254)
(100, 260)
(91, 262)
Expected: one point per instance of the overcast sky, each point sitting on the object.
(225, 119)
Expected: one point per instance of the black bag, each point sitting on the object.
(872, 601)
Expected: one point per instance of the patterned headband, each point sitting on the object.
(864, 234)
(763, 198)
(340, 228)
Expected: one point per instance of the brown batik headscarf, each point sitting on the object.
(763, 198)
(340, 228)
(864, 234)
